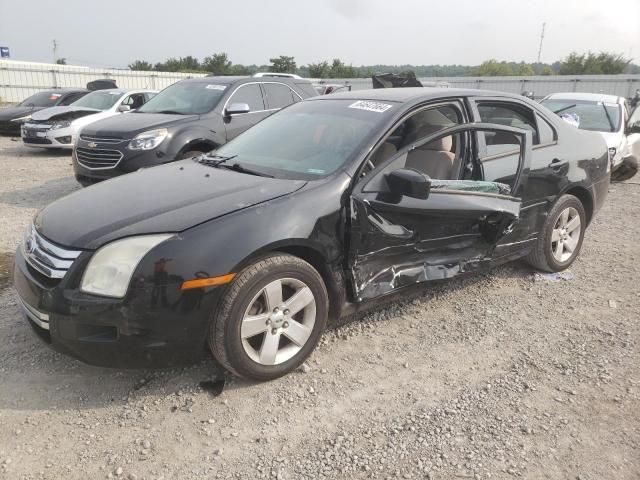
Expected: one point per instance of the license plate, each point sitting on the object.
(41, 134)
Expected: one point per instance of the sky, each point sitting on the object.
(360, 32)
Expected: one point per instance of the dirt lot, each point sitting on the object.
(495, 376)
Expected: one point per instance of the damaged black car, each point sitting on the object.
(319, 210)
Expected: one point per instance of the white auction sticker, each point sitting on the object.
(213, 86)
(371, 106)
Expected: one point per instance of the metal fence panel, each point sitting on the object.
(541, 86)
(18, 80)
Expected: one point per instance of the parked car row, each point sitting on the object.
(318, 210)
(58, 127)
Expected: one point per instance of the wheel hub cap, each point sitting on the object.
(278, 321)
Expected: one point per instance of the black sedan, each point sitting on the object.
(323, 208)
(11, 118)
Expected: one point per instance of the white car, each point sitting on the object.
(58, 127)
(610, 115)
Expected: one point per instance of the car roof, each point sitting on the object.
(243, 79)
(592, 97)
(63, 90)
(405, 95)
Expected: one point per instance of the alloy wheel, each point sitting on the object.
(278, 321)
(566, 233)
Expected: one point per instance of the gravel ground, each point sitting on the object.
(493, 376)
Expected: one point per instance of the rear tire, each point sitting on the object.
(270, 318)
(560, 240)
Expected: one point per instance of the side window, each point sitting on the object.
(416, 127)
(69, 99)
(134, 101)
(279, 95)
(249, 94)
(511, 115)
(501, 161)
(546, 131)
(496, 174)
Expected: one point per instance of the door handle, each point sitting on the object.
(557, 163)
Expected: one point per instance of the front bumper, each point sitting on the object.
(95, 161)
(156, 325)
(41, 135)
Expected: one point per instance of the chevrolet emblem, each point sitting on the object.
(92, 145)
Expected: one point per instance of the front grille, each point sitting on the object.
(109, 140)
(96, 158)
(37, 140)
(48, 259)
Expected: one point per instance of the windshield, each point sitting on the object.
(594, 116)
(185, 98)
(100, 100)
(307, 140)
(42, 99)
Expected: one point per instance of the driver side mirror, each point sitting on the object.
(124, 108)
(236, 108)
(410, 183)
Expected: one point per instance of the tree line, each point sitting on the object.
(574, 64)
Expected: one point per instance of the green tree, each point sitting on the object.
(493, 68)
(524, 69)
(61, 61)
(140, 65)
(594, 64)
(283, 64)
(218, 64)
(546, 70)
(340, 70)
(319, 70)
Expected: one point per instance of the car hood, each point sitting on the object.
(10, 113)
(168, 198)
(128, 126)
(63, 113)
(613, 139)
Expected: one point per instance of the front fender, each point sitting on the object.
(192, 134)
(312, 218)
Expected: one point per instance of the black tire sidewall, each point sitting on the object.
(236, 355)
(189, 154)
(563, 203)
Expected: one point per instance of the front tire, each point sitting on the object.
(561, 237)
(270, 319)
(626, 170)
(189, 154)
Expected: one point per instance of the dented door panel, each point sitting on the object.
(398, 242)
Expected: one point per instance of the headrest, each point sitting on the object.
(443, 144)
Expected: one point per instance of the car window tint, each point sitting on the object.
(278, 95)
(69, 99)
(134, 101)
(502, 158)
(509, 115)
(414, 128)
(547, 134)
(249, 94)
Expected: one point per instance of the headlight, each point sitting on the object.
(21, 119)
(148, 140)
(110, 269)
(63, 124)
